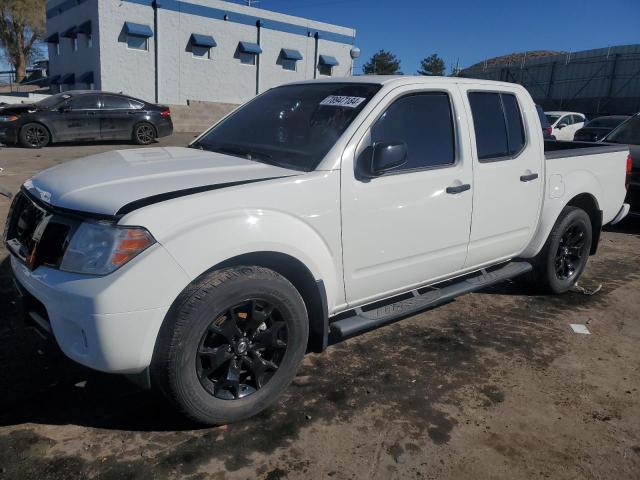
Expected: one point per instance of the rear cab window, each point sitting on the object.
(498, 125)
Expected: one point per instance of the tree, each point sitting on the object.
(382, 63)
(432, 65)
(22, 24)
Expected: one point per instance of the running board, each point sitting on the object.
(365, 320)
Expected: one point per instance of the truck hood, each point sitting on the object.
(119, 181)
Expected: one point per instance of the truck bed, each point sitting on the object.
(558, 149)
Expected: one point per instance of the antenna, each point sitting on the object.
(251, 3)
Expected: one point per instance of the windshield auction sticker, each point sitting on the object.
(342, 101)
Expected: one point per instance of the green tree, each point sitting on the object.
(382, 63)
(22, 24)
(432, 65)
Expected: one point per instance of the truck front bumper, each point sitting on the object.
(107, 323)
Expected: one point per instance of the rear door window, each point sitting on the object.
(424, 123)
(498, 125)
(112, 102)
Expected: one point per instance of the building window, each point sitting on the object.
(89, 41)
(326, 64)
(74, 44)
(201, 52)
(289, 58)
(288, 64)
(56, 48)
(247, 52)
(325, 70)
(247, 58)
(135, 42)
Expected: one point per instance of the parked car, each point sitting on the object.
(598, 128)
(546, 127)
(628, 133)
(564, 125)
(317, 211)
(80, 115)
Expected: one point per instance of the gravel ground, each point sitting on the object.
(493, 385)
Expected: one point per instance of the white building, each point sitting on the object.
(171, 51)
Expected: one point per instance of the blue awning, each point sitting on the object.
(202, 40)
(248, 47)
(68, 79)
(85, 28)
(138, 29)
(327, 60)
(71, 33)
(86, 78)
(290, 54)
(55, 80)
(53, 38)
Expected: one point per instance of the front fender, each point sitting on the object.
(559, 192)
(201, 244)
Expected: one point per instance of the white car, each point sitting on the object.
(316, 211)
(564, 125)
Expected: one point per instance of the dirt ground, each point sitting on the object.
(494, 385)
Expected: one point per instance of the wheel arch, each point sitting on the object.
(52, 136)
(589, 204)
(311, 290)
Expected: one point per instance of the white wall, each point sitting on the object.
(83, 60)
(183, 77)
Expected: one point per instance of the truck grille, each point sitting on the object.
(34, 234)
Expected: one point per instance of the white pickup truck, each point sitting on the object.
(316, 211)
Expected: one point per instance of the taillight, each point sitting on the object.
(549, 130)
(165, 113)
(627, 178)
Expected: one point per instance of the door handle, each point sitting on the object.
(528, 178)
(458, 188)
(131, 113)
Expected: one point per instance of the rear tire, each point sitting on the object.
(564, 256)
(34, 135)
(231, 344)
(144, 133)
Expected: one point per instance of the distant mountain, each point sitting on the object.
(515, 58)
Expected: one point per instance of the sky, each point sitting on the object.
(469, 31)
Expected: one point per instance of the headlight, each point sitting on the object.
(101, 248)
(8, 118)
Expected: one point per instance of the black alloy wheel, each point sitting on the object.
(34, 135)
(571, 251)
(242, 349)
(144, 134)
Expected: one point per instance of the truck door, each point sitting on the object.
(410, 224)
(508, 173)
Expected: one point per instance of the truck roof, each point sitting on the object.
(399, 80)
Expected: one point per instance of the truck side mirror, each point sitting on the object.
(387, 156)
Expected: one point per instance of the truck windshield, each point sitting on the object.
(293, 126)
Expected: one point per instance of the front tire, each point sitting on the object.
(564, 256)
(144, 133)
(34, 135)
(231, 344)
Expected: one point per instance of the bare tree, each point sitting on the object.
(22, 24)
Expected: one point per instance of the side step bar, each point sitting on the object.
(365, 320)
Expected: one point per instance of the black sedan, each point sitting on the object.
(81, 115)
(629, 134)
(598, 128)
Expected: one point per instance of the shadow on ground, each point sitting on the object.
(416, 374)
